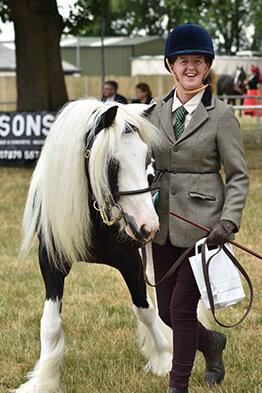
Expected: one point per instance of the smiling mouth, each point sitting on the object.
(190, 75)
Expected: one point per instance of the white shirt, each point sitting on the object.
(190, 105)
(109, 99)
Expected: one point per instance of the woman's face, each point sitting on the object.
(140, 94)
(190, 70)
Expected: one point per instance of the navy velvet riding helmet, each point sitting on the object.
(188, 39)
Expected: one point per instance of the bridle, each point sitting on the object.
(110, 200)
(111, 203)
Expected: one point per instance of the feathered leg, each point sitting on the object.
(153, 340)
(45, 377)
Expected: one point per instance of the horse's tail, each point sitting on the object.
(57, 203)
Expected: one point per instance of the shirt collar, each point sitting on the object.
(109, 99)
(190, 105)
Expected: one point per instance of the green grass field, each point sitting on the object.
(100, 330)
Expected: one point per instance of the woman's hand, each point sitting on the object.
(221, 232)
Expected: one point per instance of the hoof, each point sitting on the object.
(160, 364)
(33, 386)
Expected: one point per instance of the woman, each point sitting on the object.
(201, 133)
(143, 94)
(253, 83)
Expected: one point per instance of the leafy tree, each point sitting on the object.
(180, 12)
(256, 18)
(85, 18)
(227, 21)
(4, 11)
(38, 27)
(121, 17)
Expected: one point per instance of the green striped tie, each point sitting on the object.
(180, 115)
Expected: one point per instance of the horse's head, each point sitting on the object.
(109, 143)
(118, 146)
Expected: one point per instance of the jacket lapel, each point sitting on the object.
(165, 116)
(199, 116)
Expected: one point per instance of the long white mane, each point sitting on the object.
(57, 203)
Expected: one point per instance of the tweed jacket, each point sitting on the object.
(188, 170)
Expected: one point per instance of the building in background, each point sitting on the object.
(85, 53)
(154, 65)
(8, 61)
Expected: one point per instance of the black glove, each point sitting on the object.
(221, 232)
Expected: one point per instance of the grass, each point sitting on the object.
(100, 329)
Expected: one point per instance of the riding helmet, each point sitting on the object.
(188, 39)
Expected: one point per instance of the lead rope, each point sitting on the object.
(205, 266)
(169, 273)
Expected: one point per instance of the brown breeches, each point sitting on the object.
(177, 299)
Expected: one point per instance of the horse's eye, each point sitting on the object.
(128, 131)
(130, 128)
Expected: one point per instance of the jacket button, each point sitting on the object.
(175, 148)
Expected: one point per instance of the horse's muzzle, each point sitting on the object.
(143, 234)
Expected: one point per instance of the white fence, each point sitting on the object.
(241, 107)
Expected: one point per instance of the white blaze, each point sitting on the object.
(132, 176)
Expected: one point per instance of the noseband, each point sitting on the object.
(111, 203)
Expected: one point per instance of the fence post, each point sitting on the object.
(258, 137)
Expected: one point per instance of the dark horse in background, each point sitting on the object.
(232, 85)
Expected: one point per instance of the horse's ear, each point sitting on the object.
(106, 119)
(147, 112)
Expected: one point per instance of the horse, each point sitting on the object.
(232, 85)
(89, 201)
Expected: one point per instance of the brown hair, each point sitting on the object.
(145, 88)
(113, 84)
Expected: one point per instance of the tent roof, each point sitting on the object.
(71, 41)
(8, 60)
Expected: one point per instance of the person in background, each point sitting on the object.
(143, 94)
(110, 93)
(253, 83)
(201, 135)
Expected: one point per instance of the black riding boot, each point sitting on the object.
(176, 390)
(215, 370)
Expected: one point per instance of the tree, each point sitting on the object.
(256, 18)
(227, 20)
(121, 17)
(85, 18)
(38, 28)
(180, 12)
